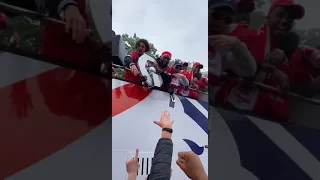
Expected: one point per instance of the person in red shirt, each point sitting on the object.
(178, 79)
(202, 83)
(224, 47)
(244, 8)
(191, 76)
(264, 48)
(131, 62)
(185, 65)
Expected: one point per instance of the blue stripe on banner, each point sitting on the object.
(258, 153)
(204, 104)
(194, 114)
(309, 138)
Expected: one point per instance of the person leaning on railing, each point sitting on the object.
(70, 42)
(131, 61)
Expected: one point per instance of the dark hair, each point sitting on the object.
(145, 42)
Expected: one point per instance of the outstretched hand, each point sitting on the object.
(165, 121)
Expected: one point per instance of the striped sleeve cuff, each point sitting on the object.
(63, 5)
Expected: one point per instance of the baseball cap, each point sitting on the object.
(166, 53)
(232, 4)
(198, 64)
(298, 9)
(246, 5)
(185, 64)
(177, 63)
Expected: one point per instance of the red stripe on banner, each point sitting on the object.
(43, 114)
(127, 96)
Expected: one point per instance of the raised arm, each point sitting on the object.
(161, 164)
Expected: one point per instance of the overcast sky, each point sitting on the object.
(180, 27)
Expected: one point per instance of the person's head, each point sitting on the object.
(221, 15)
(196, 67)
(142, 46)
(244, 9)
(177, 66)
(164, 59)
(185, 66)
(281, 16)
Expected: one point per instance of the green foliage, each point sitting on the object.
(131, 43)
(29, 32)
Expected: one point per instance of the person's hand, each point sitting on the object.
(134, 70)
(222, 42)
(195, 86)
(191, 165)
(76, 23)
(132, 165)
(165, 121)
(283, 78)
(277, 57)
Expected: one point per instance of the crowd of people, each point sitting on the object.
(271, 55)
(188, 161)
(176, 78)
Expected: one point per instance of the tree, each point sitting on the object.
(28, 30)
(131, 43)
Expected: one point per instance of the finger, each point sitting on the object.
(157, 123)
(182, 155)
(85, 33)
(74, 29)
(180, 164)
(181, 160)
(80, 32)
(137, 154)
(68, 25)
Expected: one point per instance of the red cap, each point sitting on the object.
(198, 64)
(112, 69)
(166, 53)
(297, 8)
(185, 63)
(248, 5)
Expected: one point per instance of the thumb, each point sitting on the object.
(157, 122)
(181, 165)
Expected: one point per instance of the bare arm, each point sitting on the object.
(243, 64)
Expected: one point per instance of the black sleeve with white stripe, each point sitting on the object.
(56, 7)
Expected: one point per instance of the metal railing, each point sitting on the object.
(125, 68)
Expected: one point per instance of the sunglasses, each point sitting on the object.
(221, 15)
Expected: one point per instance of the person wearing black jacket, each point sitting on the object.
(161, 164)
